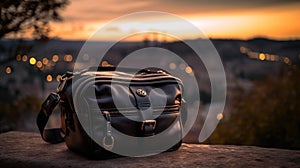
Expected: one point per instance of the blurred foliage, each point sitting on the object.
(14, 113)
(19, 16)
(268, 115)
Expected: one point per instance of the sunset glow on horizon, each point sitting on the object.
(232, 19)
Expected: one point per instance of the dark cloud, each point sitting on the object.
(233, 4)
(90, 10)
(217, 6)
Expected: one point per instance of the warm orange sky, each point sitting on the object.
(277, 19)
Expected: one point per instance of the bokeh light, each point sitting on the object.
(86, 57)
(24, 58)
(32, 61)
(172, 66)
(39, 64)
(49, 78)
(68, 58)
(45, 61)
(58, 77)
(262, 56)
(8, 70)
(55, 58)
(188, 70)
(182, 66)
(287, 60)
(18, 57)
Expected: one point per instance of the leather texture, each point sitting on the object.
(138, 104)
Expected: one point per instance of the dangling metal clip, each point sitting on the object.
(108, 140)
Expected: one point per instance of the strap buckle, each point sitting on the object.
(148, 122)
(50, 103)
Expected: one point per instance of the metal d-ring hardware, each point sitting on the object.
(108, 134)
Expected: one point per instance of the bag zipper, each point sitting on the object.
(130, 112)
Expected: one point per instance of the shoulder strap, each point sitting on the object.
(49, 135)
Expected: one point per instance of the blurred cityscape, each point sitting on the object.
(30, 70)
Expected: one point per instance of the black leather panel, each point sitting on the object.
(94, 94)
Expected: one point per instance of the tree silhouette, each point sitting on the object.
(19, 16)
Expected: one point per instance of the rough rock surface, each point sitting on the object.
(20, 149)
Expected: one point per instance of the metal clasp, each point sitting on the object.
(148, 122)
(63, 81)
(108, 135)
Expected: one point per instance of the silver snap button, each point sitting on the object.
(141, 92)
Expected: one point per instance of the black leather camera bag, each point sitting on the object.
(97, 107)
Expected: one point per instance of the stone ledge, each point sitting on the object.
(20, 149)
